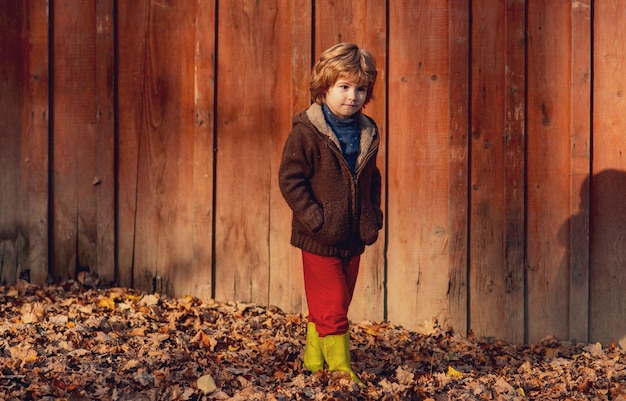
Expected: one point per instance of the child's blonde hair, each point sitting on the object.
(343, 61)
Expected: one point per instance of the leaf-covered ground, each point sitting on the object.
(67, 343)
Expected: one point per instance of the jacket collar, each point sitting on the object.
(368, 130)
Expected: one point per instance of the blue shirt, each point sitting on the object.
(347, 131)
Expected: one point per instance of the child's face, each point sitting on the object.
(345, 97)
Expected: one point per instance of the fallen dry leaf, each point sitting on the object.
(206, 384)
(69, 342)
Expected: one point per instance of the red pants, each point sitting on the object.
(329, 284)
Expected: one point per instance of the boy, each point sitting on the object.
(329, 178)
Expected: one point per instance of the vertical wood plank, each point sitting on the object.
(13, 221)
(580, 171)
(363, 23)
(458, 49)
(607, 311)
(36, 124)
(487, 228)
(286, 282)
(549, 164)
(132, 21)
(201, 284)
(514, 168)
(157, 156)
(24, 142)
(82, 157)
(497, 176)
(417, 162)
(104, 172)
(248, 84)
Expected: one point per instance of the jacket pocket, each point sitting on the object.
(370, 223)
(336, 226)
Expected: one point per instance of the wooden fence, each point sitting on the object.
(141, 139)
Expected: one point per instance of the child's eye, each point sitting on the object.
(362, 89)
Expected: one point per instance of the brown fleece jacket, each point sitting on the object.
(335, 213)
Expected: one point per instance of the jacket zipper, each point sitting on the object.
(355, 185)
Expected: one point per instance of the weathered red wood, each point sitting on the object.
(580, 171)
(607, 306)
(286, 286)
(24, 141)
(247, 89)
(363, 23)
(13, 227)
(36, 133)
(487, 210)
(514, 165)
(82, 140)
(549, 163)
(131, 25)
(458, 49)
(204, 95)
(164, 127)
(417, 163)
(104, 172)
(159, 129)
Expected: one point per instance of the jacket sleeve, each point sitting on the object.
(294, 174)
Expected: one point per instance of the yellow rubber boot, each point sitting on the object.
(336, 351)
(313, 357)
